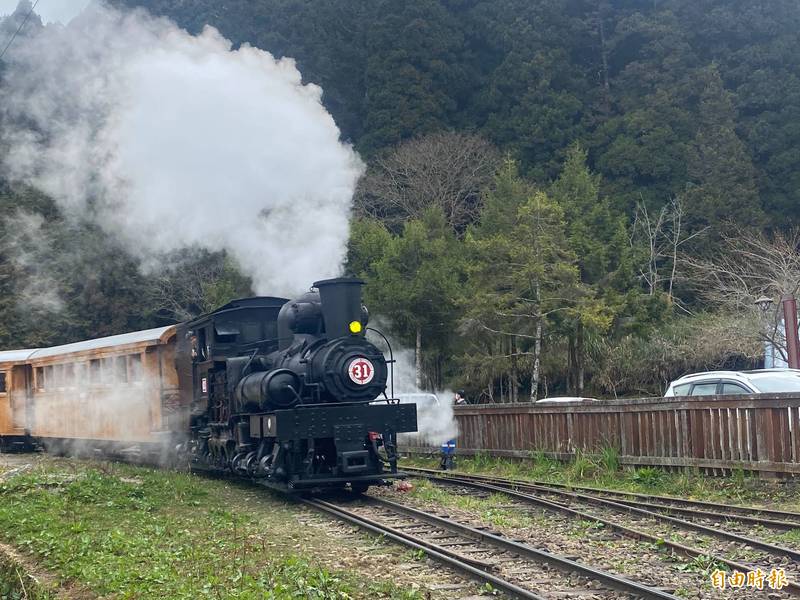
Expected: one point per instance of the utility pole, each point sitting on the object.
(790, 323)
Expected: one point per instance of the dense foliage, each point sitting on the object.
(635, 133)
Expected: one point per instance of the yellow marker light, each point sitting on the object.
(355, 326)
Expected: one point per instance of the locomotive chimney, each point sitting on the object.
(341, 305)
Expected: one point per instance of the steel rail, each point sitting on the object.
(710, 514)
(434, 551)
(489, 539)
(712, 531)
(792, 587)
(633, 509)
(716, 506)
(624, 498)
(617, 582)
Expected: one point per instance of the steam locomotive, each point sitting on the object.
(281, 391)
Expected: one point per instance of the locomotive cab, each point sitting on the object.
(281, 391)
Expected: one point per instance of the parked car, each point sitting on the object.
(762, 381)
(562, 399)
(421, 399)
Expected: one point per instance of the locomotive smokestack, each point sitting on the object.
(341, 305)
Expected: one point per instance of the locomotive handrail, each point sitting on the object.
(391, 360)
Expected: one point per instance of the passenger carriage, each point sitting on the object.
(117, 393)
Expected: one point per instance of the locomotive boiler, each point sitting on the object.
(285, 391)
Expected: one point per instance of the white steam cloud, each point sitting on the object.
(169, 140)
(435, 422)
(27, 246)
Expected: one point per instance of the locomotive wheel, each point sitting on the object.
(359, 488)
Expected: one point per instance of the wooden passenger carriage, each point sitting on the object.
(14, 393)
(118, 391)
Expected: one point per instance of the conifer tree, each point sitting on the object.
(523, 274)
(417, 285)
(721, 186)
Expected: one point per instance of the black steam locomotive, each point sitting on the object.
(285, 391)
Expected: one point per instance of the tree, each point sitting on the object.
(749, 266)
(721, 185)
(658, 239)
(592, 221)
(446, 170)
(367, 245)
(522, 274)
(417, 285)
(193, 282)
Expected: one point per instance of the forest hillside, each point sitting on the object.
(561, 196)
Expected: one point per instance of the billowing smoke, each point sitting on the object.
(435, 421)
(168, 140)
(27, 246)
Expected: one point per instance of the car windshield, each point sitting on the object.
(777, 384)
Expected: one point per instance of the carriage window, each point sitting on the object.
(58, 375)
(94, 371)
(80, 373)
(39, 378)
(49, 380)
(120, 369)
(107, 370)
(2, 382)
(135, 367)
(69, 375)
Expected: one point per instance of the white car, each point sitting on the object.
(726, 383)
(421, 399)
(563, 399)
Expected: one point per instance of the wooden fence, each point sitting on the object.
(753, 433)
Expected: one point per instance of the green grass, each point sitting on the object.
(604, 470)
(491, 509)
(139, 533)
(791, 537)
(15, 584)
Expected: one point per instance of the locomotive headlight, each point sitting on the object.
(355, 326)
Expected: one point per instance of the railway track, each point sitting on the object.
(770, 518)
(518, 569)
(649, 524)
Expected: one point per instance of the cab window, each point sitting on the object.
(704, 389)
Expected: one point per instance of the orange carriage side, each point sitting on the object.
(14, 394)
(109, 393)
